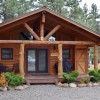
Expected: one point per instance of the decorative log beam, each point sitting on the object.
(42, 27)
(60, 42)
(52, 32)
(31, 31)
(95, 56)
(60, 68)
(21, 61)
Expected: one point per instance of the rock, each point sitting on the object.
(4, 89)
(19, 88)
(81, 85)
(95, 84)
(99, 83)
(25, 86)
(59, 84)
(90, 84)
(73, 85)
(65, 85)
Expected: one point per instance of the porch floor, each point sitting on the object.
(41, 79)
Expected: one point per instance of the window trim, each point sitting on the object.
(6, 53)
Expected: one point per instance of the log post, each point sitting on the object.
(95, 56)
(60, 69)
(42, 27)
(21, 62)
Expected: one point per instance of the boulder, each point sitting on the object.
(25, 86)
(65, 85)
(19, 88)
(59, 84)
(73, 85)
(81, 85)
(95, 84)
(4, 89)
(90, 84)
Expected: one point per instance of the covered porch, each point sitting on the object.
(79, 59)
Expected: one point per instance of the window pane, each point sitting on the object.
(66, 54)
(7, 53)
(31, 60)
(42, 60)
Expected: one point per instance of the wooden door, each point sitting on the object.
(81, 60)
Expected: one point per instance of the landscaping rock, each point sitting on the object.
(99, 83)
(25, 86)
(4, 89)
(19, 88)
(65, 85)
(90, 84)
(81, 85)
(73, 85)
(59, 84)
(95, 84)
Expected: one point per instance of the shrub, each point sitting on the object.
(95, 74)
(85, 80)
(74, 73)
(14, 80)
(70, 77)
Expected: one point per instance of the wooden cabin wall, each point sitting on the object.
(9, 63)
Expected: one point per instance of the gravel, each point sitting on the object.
(52, 92)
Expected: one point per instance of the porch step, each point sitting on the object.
(41, 79)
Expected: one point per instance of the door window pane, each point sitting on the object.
(42, 60)
(31, 60)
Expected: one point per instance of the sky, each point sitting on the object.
(89, 2)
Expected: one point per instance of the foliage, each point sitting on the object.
(95, 74)
(70, 77)
(3, 80)
(14, 80)
(85, 80)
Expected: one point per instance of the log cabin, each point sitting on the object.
(36, 41)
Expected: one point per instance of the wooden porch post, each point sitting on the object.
(21, 62)
(95, 56)
(60, 69)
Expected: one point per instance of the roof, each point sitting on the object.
(54, 14)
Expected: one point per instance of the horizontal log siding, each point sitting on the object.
(9, 63)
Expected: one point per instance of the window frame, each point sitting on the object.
(2, 58)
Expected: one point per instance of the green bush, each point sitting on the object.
(74, 73)
(14, 80)
(85, 80)
(95, 74)
(70, 77)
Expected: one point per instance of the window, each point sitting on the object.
(66, 54)
(7, 53)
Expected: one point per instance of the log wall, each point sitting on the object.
(9, 63)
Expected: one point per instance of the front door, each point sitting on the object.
(37, 60)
